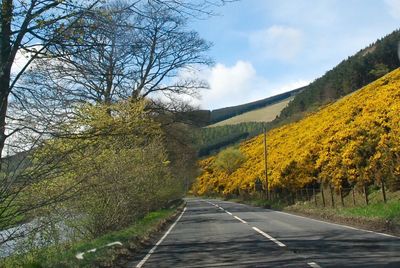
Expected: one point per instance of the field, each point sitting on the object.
(266, 114)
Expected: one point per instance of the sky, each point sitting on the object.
(265, 47)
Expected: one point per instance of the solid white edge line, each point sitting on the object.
(269, 237)
(142, 262)
(228, 212)
(239, 219)
(336, 224)
(314, 265)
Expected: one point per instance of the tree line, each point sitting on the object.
(209, 140)
(351, 74)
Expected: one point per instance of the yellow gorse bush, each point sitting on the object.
(355, 140)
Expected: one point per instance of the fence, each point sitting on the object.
(344, 197)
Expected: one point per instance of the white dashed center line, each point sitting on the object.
(258, 230)
(269, 237)
(314, 265)
(239, 219)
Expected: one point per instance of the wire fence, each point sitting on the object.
(344, 197)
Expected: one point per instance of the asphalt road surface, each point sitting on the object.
(214, 233)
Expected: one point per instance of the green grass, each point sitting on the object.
(388, 211)
(266, 114)
(64, 255)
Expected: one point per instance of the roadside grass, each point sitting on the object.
(389, 211)
(65, 255)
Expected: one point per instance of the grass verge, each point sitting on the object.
(132, 238)
(379, 217)
(389, 211)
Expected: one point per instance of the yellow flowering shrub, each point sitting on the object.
(355, 140)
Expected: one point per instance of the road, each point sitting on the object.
(214, 233)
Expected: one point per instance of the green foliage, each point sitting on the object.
(229, 160)
(115, 169)
(350, 75)
(379, 70)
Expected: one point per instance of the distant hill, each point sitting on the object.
(366, 66)
(354, 141)
(221, 114)
(351, 74)
(250, 121)
(265, 114)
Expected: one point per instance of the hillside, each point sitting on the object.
(266, 114)
(218, 115)
(354, 141)
(351, 74)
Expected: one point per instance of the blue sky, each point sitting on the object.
(265, 47)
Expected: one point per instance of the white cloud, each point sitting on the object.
(277, 42)
(394, 8)
(238, 84)
(232, 85)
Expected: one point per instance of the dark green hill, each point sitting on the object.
(351, 74)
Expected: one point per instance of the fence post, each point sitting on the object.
(332, 198)
(383, 190)
(341, 196)
(354, 197)
(366, 193)
(322, 195)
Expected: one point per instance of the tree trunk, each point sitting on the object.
(341, 197)
(332, 198)
(323, 195)
(5, 67)
(383, 190)
(366, 194)
(4, 86)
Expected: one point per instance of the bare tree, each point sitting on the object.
(30, 26)
(122, 54)
(80, 52)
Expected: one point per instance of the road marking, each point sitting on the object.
(79, 256)
(239, 219)
(269, 237)
(314, 265)
(228, 212)
(336, 224)
(140, 264)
